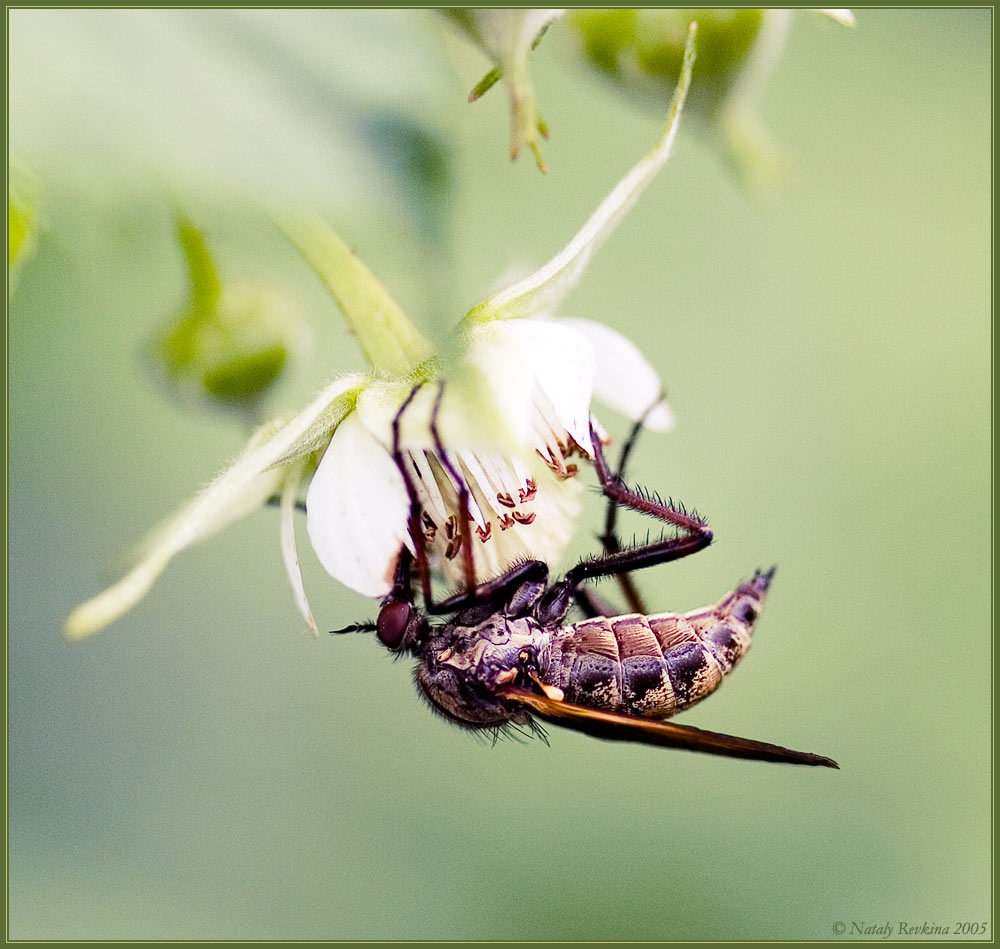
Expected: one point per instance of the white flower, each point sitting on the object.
(514, 409)
(512, 416)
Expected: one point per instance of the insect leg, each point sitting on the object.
(696, 533)
(609, 538)
(415, 527)
(494, 595)
(465, 534)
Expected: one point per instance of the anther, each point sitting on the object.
(550, 462)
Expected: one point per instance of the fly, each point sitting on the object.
(507, 655)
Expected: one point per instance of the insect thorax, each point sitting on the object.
(463, 669)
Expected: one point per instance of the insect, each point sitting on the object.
(506, 655)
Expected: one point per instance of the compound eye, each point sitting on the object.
(393, 619)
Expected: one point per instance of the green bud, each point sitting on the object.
(640, 51)
(23, 218)
(230, 344)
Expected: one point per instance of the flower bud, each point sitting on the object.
(640, 52)
(229, 345)
(507, 37)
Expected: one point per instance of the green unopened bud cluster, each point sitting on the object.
(642, 50)
(230, 344)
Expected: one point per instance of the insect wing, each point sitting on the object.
(616, 727)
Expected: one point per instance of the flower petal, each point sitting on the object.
(288, 550)
(843, 17)
(625, 379)
(543, 289)
(563, 366)
(241, 488)
(356, 510)
(536, 367)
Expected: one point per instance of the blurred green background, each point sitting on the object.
(204, 768)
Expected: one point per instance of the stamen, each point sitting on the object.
(506, 521)
(523, 518)
(506, 500)
(570, 471)
(427, 485)
(550, 462)
(576, 447)
(484, 535)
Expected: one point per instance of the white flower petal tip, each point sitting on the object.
(660, 418)
(114, 602)
(289, 551)
(843, 17)
(242, 488)
(541, 374)
(357, 510)
(624, 379)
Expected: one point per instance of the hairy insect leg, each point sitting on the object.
(696, 533)
(464, 533)
(492, 596)
(416, 510)
(609, 538)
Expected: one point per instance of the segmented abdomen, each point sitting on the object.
(653, 666)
